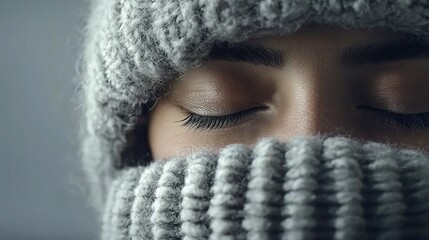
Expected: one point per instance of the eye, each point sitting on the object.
(416, 121)
(202, 122)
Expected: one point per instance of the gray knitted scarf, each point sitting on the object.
(307, 188)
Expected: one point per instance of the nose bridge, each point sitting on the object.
(320, 118)
(320, 105)
(317, 116)
(321, 96)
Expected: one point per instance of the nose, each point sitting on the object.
(321, 105)
(319, 117)
(314, 116)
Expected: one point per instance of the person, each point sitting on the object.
(257, 119)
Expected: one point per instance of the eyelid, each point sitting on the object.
(206, 109)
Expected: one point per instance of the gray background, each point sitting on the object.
(40, 181)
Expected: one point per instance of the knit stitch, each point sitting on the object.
(303, 189)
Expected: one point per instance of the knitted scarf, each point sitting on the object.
(306, 188)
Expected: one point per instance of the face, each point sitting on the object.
(369, 85)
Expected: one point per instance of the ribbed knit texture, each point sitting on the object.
(134, 47)
(307, 188)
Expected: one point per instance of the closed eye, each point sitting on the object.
(203, 122)
(416, 121)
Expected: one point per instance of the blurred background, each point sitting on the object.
(41, 193)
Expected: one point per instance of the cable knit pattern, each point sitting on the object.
(134, 47)
(306, 188)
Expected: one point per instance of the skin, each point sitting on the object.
(312, 94)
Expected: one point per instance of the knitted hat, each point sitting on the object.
(135, 47)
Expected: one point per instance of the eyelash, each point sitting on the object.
(200, 122)
(416, 121)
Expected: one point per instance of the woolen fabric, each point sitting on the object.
(303, 189)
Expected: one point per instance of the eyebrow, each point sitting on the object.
(409, 47)
(253, 53)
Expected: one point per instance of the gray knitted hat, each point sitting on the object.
(135, 47)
